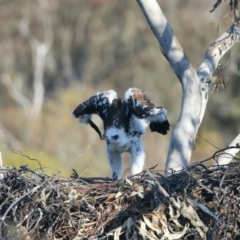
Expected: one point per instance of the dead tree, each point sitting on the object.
(40, 49)
(195, 84)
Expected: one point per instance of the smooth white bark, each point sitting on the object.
(8, 138)
(228, 155)
(16, 93)
(195, 86)
(210, 62)
(1, 162)
(40, 50)
(183, 136)
(1, 166)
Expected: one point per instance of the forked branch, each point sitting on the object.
(229, 154)
(195, 85)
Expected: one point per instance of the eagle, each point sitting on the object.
(124, 123)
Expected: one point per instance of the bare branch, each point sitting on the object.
(40, 60)
(8, 138)
(1, 162)
(15, 93)
(1, 166)
(39, 52)
(185, 131)
(195, 86)
(227, 156)
(169, 44)
(211, 59)
(163, 191)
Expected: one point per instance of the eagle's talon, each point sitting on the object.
(114, 177)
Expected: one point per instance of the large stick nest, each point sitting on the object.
(196, 203)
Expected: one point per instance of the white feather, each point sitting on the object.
(110, 95)
(128, 94)
(158, 115)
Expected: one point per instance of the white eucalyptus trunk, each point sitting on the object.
(40, 50)
(1, 162)
(229, 154)
(195, 85)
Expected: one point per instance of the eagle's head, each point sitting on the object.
(116, 137)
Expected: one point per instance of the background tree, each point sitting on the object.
(195, 85)
(88, 55)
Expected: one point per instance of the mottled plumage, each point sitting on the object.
(124, 123)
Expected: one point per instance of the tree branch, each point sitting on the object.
(210, 61)
(15, 93)
(8, 138)
(39, 52)
(185, 131)
(195, 86)
(227, 156)
(1, 162)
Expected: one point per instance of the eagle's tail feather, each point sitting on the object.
(158, 121)
(160, 127)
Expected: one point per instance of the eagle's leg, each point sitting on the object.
(137, 157)
(115, 161)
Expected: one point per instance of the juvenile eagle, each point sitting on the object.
(124, 122)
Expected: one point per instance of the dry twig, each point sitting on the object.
(198, 202)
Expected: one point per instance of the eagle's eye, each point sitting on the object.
(115, 137)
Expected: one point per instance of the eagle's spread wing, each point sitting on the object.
(104, 104)
(160, 127)
(139, 104)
